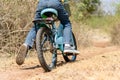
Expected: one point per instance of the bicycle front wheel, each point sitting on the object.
(44, 47)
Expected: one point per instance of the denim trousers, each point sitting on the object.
(62, 16)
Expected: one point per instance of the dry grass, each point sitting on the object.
(83, 34)
(115, 34)
(15, 21)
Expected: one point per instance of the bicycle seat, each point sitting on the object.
(49, 12)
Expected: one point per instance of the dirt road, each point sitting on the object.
(98, 62)
(94, 63)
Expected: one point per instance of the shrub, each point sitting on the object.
(86, 8)
(15, 20)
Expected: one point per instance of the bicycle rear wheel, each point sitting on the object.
(71, 57)
(44, 47)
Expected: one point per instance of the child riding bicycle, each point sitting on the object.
(64, 20)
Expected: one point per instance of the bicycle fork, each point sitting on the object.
(58, 44)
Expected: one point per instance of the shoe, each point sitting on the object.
(69, 49)
(21, 54)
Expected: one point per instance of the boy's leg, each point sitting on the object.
(28, 42)
(67, 29)
(26, 46)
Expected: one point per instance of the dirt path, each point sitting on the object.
(91, 62)
(94, 63)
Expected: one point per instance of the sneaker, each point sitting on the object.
(69, 49)
(21, 54)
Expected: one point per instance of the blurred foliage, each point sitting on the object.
(118, 9)
(16, 19)
(90, 5)
(85, 8)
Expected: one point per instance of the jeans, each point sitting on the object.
(62, 16)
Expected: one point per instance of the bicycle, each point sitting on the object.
(49, 40)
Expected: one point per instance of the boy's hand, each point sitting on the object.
(62, 1)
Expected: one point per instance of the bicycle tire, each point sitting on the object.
(42, 44)
(71, 58)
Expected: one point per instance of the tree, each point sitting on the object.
(86, 8)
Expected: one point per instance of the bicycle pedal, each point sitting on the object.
(69, 54)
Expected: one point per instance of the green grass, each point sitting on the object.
(104, 22)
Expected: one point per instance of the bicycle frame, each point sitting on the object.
(55, 37)
(49, 22)
(56, 31)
